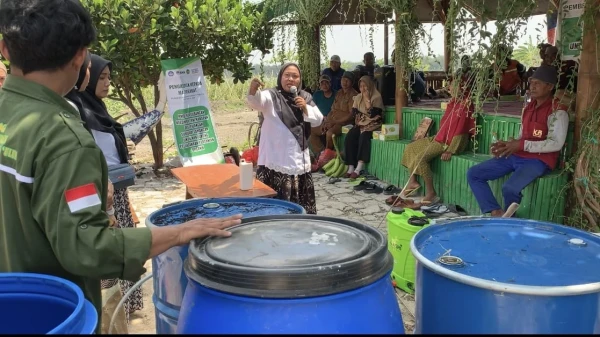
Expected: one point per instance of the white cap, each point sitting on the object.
(336, 58)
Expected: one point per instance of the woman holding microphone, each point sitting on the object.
(289, 114)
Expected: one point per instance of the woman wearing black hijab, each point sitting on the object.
(110, 138)
(284, 159)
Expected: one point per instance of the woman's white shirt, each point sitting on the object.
(105, 141)
(278, 149)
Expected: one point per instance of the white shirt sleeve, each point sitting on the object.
(558, 126)
(262, 102)
(313, 116)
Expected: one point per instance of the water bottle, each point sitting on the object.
(526, 100)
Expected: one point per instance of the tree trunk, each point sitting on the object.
(158, 150)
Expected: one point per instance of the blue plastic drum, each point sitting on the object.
(506, 276)
(291, 274)
(167, 268)
(43, 304)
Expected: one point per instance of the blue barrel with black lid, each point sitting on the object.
(506, 276)
(291, 274)
(167, 268)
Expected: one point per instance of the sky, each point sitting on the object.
(350, 42)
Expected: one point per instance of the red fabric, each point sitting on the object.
(535, 128)
(326, 156)
(251, 155)
(510, 78)
(457, 120)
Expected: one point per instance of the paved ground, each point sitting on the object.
(339, 200)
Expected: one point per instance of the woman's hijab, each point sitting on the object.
(364, 118)
(94, 111)
(376, 99)
(72, 95)
(290, 114)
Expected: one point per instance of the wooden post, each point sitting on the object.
(386, 42)
(588, 76)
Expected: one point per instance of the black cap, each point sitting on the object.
(546, 74)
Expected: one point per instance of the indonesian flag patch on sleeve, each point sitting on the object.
(82, 197)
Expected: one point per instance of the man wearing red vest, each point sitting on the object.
(544, 126)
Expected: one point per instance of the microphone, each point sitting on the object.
(294, 91)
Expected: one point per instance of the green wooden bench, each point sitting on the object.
(545, 199)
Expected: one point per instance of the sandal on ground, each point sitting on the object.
(367, 176)
(334, 180)
(407, 203)
(457, 210)
(437, 209)
(391, 190)
(374, 189)
(409, 191)
(431, 202)
(362, 186)
(391, 200)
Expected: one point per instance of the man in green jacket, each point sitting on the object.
(53, 177)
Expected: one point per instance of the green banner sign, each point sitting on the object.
(571, 31)
(189, 107)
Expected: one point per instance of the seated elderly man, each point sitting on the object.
(543, 132)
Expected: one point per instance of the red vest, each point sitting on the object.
(535, 128)
(510, 78)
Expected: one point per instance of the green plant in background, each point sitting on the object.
(136, 34)
(528, 54)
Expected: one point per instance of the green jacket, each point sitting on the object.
(46, 158)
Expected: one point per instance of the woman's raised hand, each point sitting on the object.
(255, 84)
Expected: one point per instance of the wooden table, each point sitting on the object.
(218, 181)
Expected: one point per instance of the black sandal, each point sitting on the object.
(362, 185)
(334, 180)
(373, 189)
(391, 190)
(457, 210)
